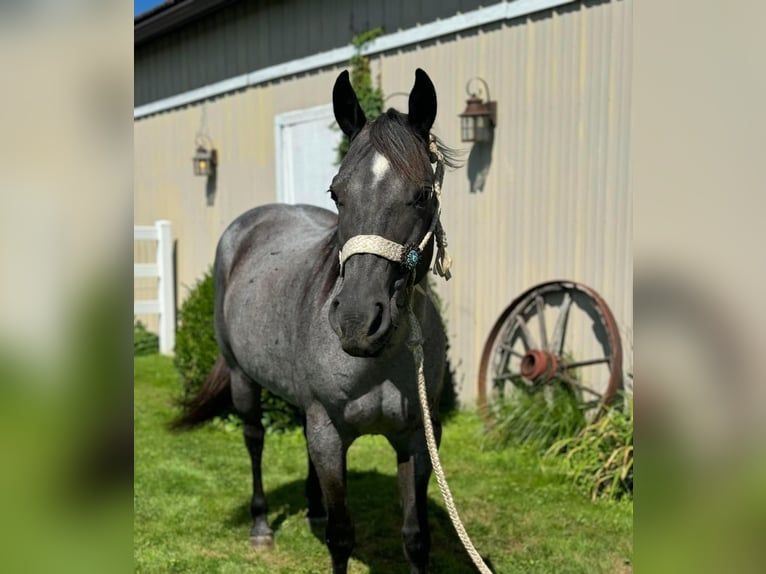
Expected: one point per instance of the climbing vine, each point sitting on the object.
(370, 97)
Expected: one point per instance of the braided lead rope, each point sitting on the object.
(393, 251)
(441, 267)
(415, 343)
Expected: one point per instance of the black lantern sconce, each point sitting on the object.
(479, 118)
(205, 158)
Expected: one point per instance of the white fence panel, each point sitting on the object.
(162, 269)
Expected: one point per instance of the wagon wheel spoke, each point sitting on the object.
(586, 406)
(509, 348)
(505, 377)
(526, 336)
(540, 304)
(557, 340)
(569, 380)
(587, 363)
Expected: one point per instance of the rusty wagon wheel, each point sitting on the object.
(543, 337)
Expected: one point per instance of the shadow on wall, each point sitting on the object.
(479, 162)
(210, 188)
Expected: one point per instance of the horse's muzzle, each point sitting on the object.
(363, 329)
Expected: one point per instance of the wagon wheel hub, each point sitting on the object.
(539, 366)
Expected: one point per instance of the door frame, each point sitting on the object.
(285, 192)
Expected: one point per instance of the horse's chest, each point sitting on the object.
(382, 409)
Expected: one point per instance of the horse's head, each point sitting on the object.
(384, 188)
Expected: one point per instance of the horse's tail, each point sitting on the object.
(211, 400)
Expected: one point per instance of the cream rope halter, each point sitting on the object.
(409, 257)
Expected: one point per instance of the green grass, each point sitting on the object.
(192, 494)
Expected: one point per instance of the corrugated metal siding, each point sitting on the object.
(253, 34)
(557, 200)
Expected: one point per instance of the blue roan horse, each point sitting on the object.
(332, 342)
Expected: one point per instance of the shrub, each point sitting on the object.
(144, 342)
(196, 352)
(535, 419)
(599, 459)
(196, 349)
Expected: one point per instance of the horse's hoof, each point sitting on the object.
(317, 521)
(262, 541)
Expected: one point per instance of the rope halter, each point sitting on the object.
(409, 255)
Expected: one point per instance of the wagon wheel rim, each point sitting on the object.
(527, 351)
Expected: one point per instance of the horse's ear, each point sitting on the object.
(422, 112)
(348, 112)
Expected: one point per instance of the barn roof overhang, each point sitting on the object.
(170, 15)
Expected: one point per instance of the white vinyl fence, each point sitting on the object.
(162, 269)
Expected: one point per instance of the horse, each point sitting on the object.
(331, 338)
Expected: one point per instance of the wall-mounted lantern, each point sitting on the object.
(479, 118)
(205, 158)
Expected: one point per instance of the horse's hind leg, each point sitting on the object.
(316, 514)
(247, 399)
(328, 452)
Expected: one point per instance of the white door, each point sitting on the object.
(305, 145)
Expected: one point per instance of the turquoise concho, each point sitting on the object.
(411, 258)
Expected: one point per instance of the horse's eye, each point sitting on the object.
(333, 196)
(424, 195)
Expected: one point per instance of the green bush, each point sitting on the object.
(599, 459)
(196, 352)
(144, 342)
(196, 349)
(535, 419)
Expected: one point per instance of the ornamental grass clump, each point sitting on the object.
(537, 419)
(599, 459)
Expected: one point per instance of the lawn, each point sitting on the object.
(192, 495)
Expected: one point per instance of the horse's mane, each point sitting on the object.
(391, 135)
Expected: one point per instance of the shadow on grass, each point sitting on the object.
(374, 505)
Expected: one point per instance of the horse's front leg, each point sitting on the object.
(414, 471)
(328, 452)
(316, 515)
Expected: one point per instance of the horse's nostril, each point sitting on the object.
(377, 321)
(335, 303)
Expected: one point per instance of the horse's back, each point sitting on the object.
(260, 227)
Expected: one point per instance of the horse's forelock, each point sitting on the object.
(391, 136)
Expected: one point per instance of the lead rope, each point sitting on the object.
(409, 256)
(415, 343)
(416, 346)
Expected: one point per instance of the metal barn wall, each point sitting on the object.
(253, 34)
(556, 202)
